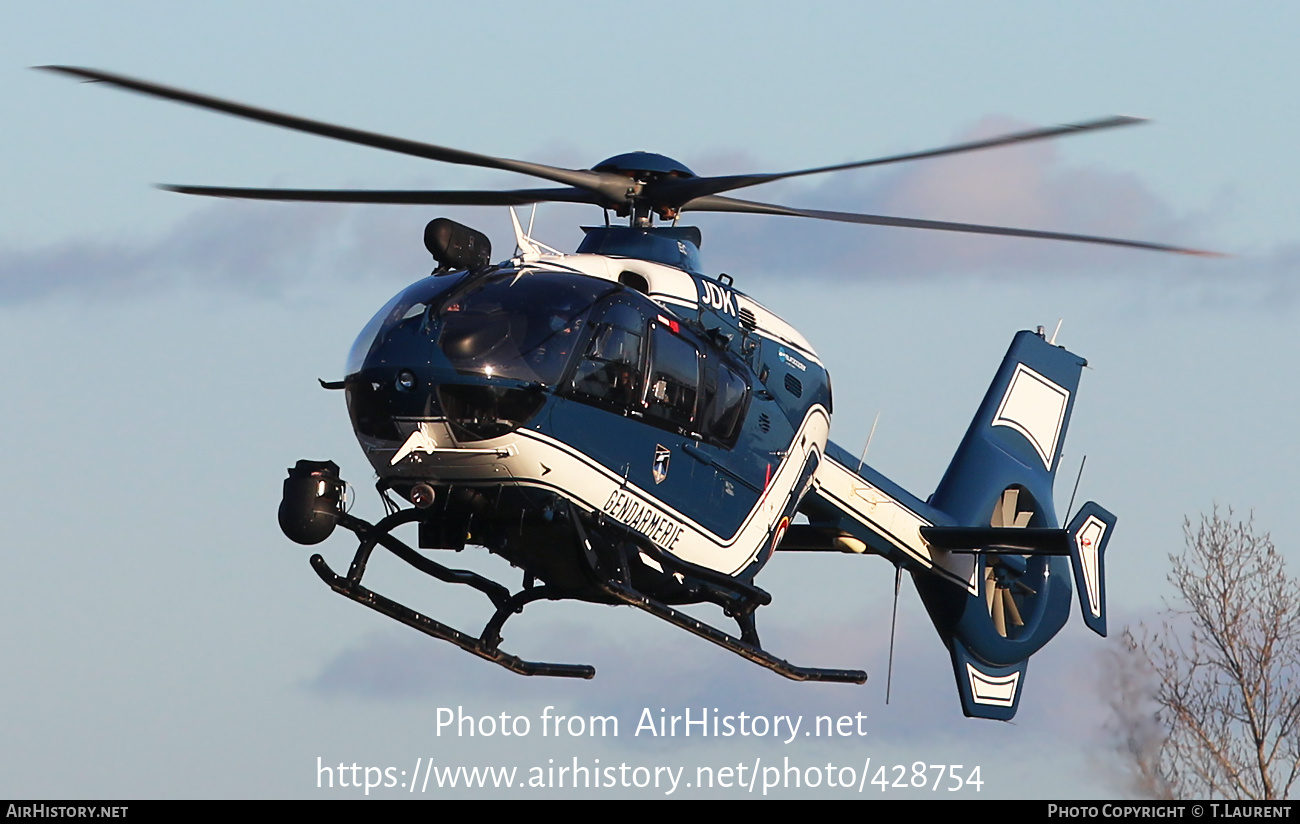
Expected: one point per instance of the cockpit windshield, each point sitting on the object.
(521, 326)
(407, 305)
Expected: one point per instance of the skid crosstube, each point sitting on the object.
(485, 646)
(437, 629)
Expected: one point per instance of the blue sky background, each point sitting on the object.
(162, 638)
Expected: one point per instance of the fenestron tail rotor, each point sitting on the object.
(1002, 573)
(639, 185)
(1008, 514)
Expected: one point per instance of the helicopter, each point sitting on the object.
(628, 430)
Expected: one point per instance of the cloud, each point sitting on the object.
(267, 249)
(643, 665)
(262, 249)
(1026, 186)
(643, 671)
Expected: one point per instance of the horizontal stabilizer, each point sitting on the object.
(993, 540)
(1090, 532)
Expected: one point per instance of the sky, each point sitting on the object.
(163, 639)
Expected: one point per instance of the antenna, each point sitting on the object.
(520, 235)
(870, 435)
(1077, 478)
(893, 622)
(1055, 332)
(529, 249)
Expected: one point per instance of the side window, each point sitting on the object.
(674, 380)
(609, 373)
(722, 407)
(636, 366)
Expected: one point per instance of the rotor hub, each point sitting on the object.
(644, 169)
(643, 166)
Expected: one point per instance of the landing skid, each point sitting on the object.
(613, 582)
(728, 642)
(485, 646)
(738, 600)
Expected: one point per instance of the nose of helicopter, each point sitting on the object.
(379, 397)
(462, 364)
(389, 403)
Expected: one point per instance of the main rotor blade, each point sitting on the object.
(516, 197)
(698, 187)
(718, 203)
(611, 186)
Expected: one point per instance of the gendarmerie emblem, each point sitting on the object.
(660, 467)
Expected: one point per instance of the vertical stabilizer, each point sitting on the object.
(1089, 533)
(1016, 437)
(1005, 539)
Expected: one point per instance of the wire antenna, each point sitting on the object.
(1077, 478)
(893, 623)
(862, 461)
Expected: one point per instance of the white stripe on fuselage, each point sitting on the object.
(597, 488)
(889, 518)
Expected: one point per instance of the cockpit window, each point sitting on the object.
(674, 378)
(722, 407)
(409, 304)
(637, 363)
(609, 373)
(518, 326)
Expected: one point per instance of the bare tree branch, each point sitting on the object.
(1208, 703)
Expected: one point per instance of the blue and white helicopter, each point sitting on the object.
(629, 430)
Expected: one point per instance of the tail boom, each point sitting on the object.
(986, 550)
